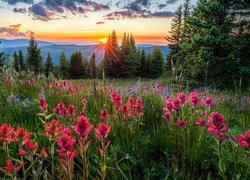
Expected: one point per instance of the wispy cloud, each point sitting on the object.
(13, 31)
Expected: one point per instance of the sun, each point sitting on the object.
(103, 40)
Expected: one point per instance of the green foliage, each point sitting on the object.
(48, 65)
(63, 66)
(21, 60)
(93, 66)
(76, 65)
(156, 63)
(34, 59)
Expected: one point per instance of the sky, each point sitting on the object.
(87, 21)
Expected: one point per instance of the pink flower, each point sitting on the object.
(167, 116)
(177, 104)
(6, 133)
(243, 140)
(209, 101)
(52, 130)
(84, 101)
(194, 100)
(82, 127)
(10, 169)
(66, 144)
(42, 104)
(216, 125)
(181, 124)
(201, 122)
(182, 97)
(102, 131)
(124, 110)
(169, 105)
(21, 134)
(71, 110)
(104, 114)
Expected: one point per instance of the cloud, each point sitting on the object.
(160, 6)
(19, 10)
(12, 31)
(100, 22)
(17, 1)
(130, 14)
(171, 1)
(54, 9)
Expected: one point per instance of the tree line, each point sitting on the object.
(210, 42)
(120, 61)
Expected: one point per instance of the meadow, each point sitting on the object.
(121, 129)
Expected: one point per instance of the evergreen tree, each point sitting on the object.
(2, 59)
(63, 66)
(76, 65)
(86, 68)
(34, 58)
(48, 65)
(186, 31)
(174, 39)
(16, 65)
(143, 60)
(93, 66)
(148, 70)
(157, 63)
(21, 60)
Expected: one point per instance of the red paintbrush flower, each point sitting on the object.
(10, 169)
(201, 122)
(42, 104)
(22, 135)
(52, 130)
(104, 114)
(243, 140)
(71, 110)
(181, 124)
(102, 131)
(6, 133)
(82, 127)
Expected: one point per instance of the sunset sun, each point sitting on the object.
(103, 40)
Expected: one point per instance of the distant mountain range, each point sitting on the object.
(11, 46)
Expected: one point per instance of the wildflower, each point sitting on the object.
(52, 130)
(66, 144)
(102, 131)
(209, 101)
(44, 152)
(201, 122)
(166, 116)
(181, 124)
(26, 102)
(104, 114)
(243, 140)
(10, 169)
(124, 110)
(61, 109)
(22, 135)
(84, 101)
(16, 99)
(177, 104)
(182, 97)
(169, 105)
(165, 94)
(82, 127)
(6, 133)
(42, 104)
(9, 99)
(71, 110)
(194, 100)
(216, 125)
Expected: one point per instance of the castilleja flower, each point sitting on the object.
(182, 97)
(42, 104)
(243, 140)
(201, 122)
(22, 135)
(71, 110)
(209, 101)
(82, 127)
(177, 104)
(116, 99)
(61, 109)
(194, 100)
(169, 105)
(6, 133)
(29, 147)
(104, 114)
(167, 116)
(52, 130)
(66, 144)
(102, 131)
(181, 124)
(216, 125)
(10, 169)
(84, 101)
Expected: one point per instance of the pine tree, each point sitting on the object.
(16, 65)
(63, 66)
(174, 39)
(2, 59)
(34, 58)
(186, 31)
(93, 66)
(157, 63)
(48, 65)
(148, 70)
(76, 65)
(21, 60)
(86, 68)
(143, 60)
